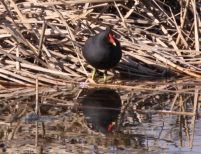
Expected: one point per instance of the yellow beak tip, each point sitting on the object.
(113, 123)
(114, 44)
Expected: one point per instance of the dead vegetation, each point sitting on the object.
(43, 39)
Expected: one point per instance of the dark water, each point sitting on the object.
(147, 117)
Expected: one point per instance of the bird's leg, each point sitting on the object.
(94, 72)
(105, 76)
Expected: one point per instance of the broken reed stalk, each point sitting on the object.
(37, 99)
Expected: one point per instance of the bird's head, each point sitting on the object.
(109, 35)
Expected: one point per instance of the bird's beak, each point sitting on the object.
(111, 126)
(112, 39)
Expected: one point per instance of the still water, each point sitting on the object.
(145, 117)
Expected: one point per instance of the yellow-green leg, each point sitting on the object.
(93, 74)
(105, 76)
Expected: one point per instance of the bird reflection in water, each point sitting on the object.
(102, 108)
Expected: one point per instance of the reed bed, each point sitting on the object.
(43, 40)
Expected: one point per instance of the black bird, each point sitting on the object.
(102, 51)
(102, 107)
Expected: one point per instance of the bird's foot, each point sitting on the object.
(105, 76)
(93, 74)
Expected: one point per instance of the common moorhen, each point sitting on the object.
(102, 107)
(102, 51)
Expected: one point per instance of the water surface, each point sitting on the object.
(136, 117)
